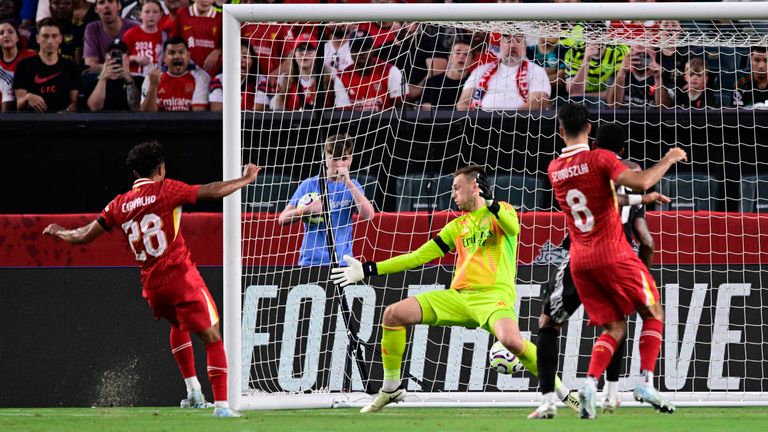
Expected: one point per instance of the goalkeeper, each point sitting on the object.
(482, 292)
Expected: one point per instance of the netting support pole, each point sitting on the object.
(231, 156)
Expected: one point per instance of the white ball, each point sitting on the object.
(503, 361)
(305, 201)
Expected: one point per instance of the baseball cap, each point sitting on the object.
(360, 41)
(118, 44)
(305, 39)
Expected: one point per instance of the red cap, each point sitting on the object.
(305, 38)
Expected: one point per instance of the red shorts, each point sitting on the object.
(611, 292)
(184, 302)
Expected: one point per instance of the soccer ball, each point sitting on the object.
(503, 361)
(306, 200)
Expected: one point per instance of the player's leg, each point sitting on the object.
(650, 345)
(183, 353)
(396, 318)
(217, 369)
(611, 399)
(547, 357)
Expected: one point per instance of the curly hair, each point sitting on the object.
(144, 158)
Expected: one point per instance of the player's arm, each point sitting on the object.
(84, 234)
(357, 271)
(644, 199)
(645, 179)
(363, 206)
(220, 189)
(643, 235)
(505, 214)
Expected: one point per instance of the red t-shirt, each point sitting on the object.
(367, 91)
(150, 217)
(270, 43)
(143, 44)
(182, 92)
(583, 184)
(202, 33)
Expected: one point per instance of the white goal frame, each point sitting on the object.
(234, 15)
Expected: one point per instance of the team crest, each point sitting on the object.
(550, 254)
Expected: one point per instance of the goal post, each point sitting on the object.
(286, 329)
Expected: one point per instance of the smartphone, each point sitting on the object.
(117, 57)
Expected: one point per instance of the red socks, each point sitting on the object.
(602, 353)
(181, 347)
(650, 344)
(217, 370)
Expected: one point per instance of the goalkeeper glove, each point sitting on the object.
(354, 272)
(485, 193)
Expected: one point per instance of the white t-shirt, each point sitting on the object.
(337, 60)
(502, 91)
(6, 87)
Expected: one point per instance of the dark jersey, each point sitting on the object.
(53, 83)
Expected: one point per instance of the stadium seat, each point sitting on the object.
(754, 194)
(523, 192)
(695, 191)
(418, 193)
(270, 193)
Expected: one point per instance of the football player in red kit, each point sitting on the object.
(611, 280)
(149, 216)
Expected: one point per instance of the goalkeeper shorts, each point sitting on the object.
(467, 308)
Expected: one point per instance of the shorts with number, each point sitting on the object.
(559, 297)
(610, 292)
(468, 308)
(184, 302)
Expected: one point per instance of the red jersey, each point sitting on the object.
(182, 92)
(11, 65)
(202, 33)
(270, 42)
(373, 91)
(150, 216)
(583, 184)
(144, 44)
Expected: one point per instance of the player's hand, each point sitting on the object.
(343, 276)
(485, 189)
(52, 229)
(655, 198)
(676, 155)
(250, 172)
(316, 208)
(342, 173)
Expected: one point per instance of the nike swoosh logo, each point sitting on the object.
(187, 28)
(42, 80)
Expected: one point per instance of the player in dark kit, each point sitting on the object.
(611, 280)
(149, 216)
(560, 298)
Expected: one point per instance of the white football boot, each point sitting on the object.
(646, 393)
(547, 410)
(383, 399)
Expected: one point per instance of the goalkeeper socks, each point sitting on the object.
(528, 357)
(181, 347)
(392, 348)
(602, 353)
(614, 368)
(547, 353)
(217, 370)
(650, 343)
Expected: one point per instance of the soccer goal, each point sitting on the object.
(693, 80)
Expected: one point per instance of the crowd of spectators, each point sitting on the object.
(166, 55)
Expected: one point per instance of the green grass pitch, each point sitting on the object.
(392, 420)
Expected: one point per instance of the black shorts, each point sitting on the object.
(559, 297)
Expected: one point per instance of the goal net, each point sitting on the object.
(422, 90)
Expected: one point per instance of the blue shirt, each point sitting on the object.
(314, 250)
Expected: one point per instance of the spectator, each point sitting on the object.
(673, 56)
(695, 93)
(46, 82)
(82, 15)
(345, 195)
(638, 81)
(145, 42)
(442, 91)
(590, 68)
(509, 83)
(72, 34)
(549, 54)
(116, 89)
(253, 94)
(305, 86)
(133, 10)
(336, 53)
(183, 87)
(7, 99)
(200, 26)
(752, 86)
(100, 34)
(12, 53)
(369, 84)
(272, 43)
(168, 22)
